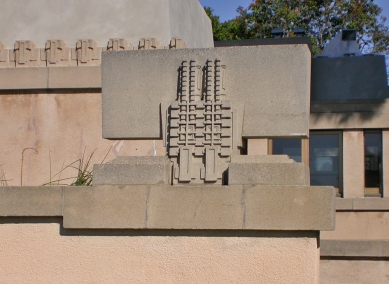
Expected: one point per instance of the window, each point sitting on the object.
(373, 163)
(325, 159)
(287, 146)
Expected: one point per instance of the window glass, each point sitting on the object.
(324, 159)
(288, 146)
(373, 159)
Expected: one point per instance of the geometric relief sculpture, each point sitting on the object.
(200, 125)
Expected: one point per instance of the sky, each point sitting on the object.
(226, 9)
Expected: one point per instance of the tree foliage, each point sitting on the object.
(321, 19)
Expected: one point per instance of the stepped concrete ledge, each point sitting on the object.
(290, 208)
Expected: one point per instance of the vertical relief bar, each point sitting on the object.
(185, 164)
(211, 155)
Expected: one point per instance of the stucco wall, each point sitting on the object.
(59, 126)
(37, 253)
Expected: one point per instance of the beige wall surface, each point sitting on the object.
(359, 226)
(37, 253)
(354, 271)
(353, 164)
(59, 127)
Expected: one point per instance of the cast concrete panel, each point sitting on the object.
(40, 20)
(105, 207)
(289, 207)
(30, 201)
(199, 207)
(348, 78)
(74, 77)
(354, 248)
(195, 207)
(23, 78)
(268, 173)
(273, 82)
(133, 170)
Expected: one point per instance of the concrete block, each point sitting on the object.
(258, 159)
(74, 77)
(133, 170)
(273, 82)
(371, 204)
(268, 173)
(344, 204)
(348, 78)
(195, 207)
(129, 19)
(31, 201)
(289, 207)
(102, 207)
(23, 78)
(354, 248)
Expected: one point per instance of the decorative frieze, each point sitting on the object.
(58, 54)
(85, 53)
(4, 56)
(26, 54)
(176, 43)
(148, 43)
(117, 44)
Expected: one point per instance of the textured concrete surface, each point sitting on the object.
(133, 170)
(349, 78)
(272, 81)
(200, 207)
(31, 201)
(354, 271)
(354, 248)
(248, 172)
(132, 20)
(353, 164)
(359, 226)
(96, 207)
(290, 207)
(38, 253)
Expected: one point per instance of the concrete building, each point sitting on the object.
(51, 113)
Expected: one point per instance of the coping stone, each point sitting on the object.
(273, 82)
(251, 173)
(195, 207)
(74, 77)
(119, 207)
(31, 200)
(200, 207)
(23, 78)
(354, 248)
(290, 207)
